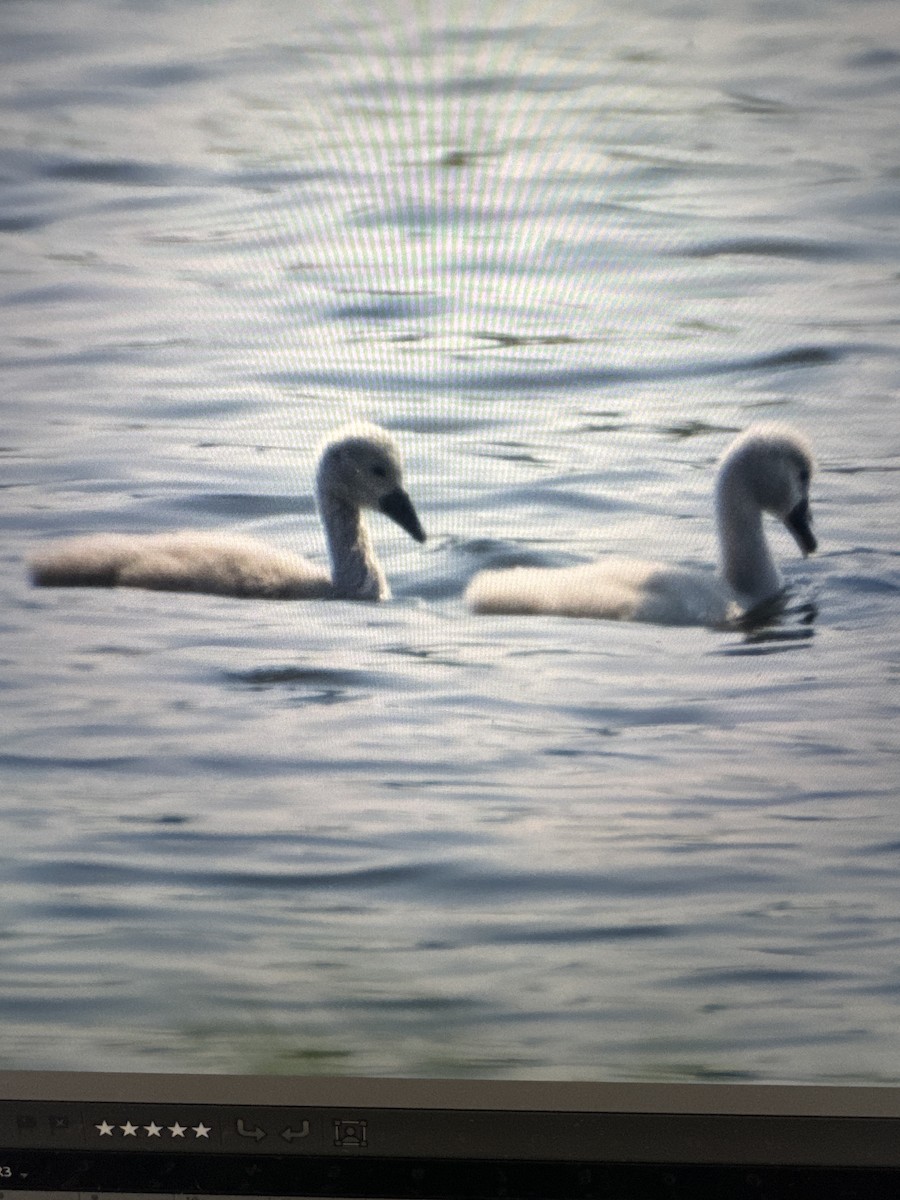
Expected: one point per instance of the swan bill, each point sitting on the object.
(398, 506)
(798, 522)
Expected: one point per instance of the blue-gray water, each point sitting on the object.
(563, 252)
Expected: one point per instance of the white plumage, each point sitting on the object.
(767, 469)
(360, 468)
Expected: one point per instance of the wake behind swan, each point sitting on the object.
(765, 470)
(359, 469)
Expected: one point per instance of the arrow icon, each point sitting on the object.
(256, 1133)
(291, 1135)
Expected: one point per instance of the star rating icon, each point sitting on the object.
(177, 1130)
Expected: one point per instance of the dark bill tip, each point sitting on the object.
(798, 522)
(398, 506)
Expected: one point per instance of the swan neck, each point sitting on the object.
(355, 571)
(747, 563)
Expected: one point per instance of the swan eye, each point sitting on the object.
(804, 477)
(379, 472)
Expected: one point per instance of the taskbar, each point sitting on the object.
(80, 1175)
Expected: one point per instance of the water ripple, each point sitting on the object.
(573, 935)
(124, 171)
(799, 248)
(569, 378)
(320, 680)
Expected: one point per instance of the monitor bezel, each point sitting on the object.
(503, 1120)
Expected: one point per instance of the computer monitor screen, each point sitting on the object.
(450, 577)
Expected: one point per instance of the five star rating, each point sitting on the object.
(154, 1131)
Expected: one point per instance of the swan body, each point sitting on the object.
(359, 468)
(767, 469)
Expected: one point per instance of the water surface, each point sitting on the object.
(564, 255)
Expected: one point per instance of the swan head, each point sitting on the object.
(773, 464)
(361, 466)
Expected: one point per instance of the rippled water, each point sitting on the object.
(563, 253)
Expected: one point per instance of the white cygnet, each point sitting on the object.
(766, 470)
(360, 468)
